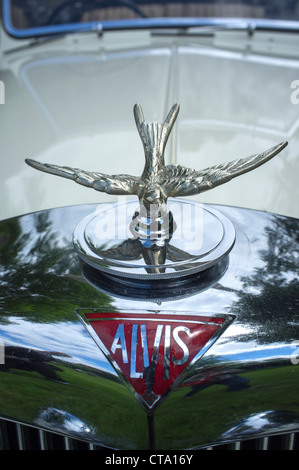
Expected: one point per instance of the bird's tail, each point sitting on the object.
(154, 135)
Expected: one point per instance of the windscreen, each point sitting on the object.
(28, 14)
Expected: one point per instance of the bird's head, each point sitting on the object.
(152, 195)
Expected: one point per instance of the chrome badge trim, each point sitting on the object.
(153, 352)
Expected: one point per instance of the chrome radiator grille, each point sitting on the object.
(15, 436)
(288, 441)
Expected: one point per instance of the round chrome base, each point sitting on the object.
(202, 237)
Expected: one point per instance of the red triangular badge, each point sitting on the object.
(153, 350)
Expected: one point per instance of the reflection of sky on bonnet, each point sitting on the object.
(62, 337)
(252, 351)
(73, 340)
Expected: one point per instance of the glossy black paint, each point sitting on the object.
(55, 376)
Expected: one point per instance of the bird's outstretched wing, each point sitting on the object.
(181, 181)
(110, 184)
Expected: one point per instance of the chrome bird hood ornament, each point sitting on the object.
(153, 225)
(158, 182)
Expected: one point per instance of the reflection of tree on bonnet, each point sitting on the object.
(273, 289)
(37, 264)
(32, 360)
(231, 379)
